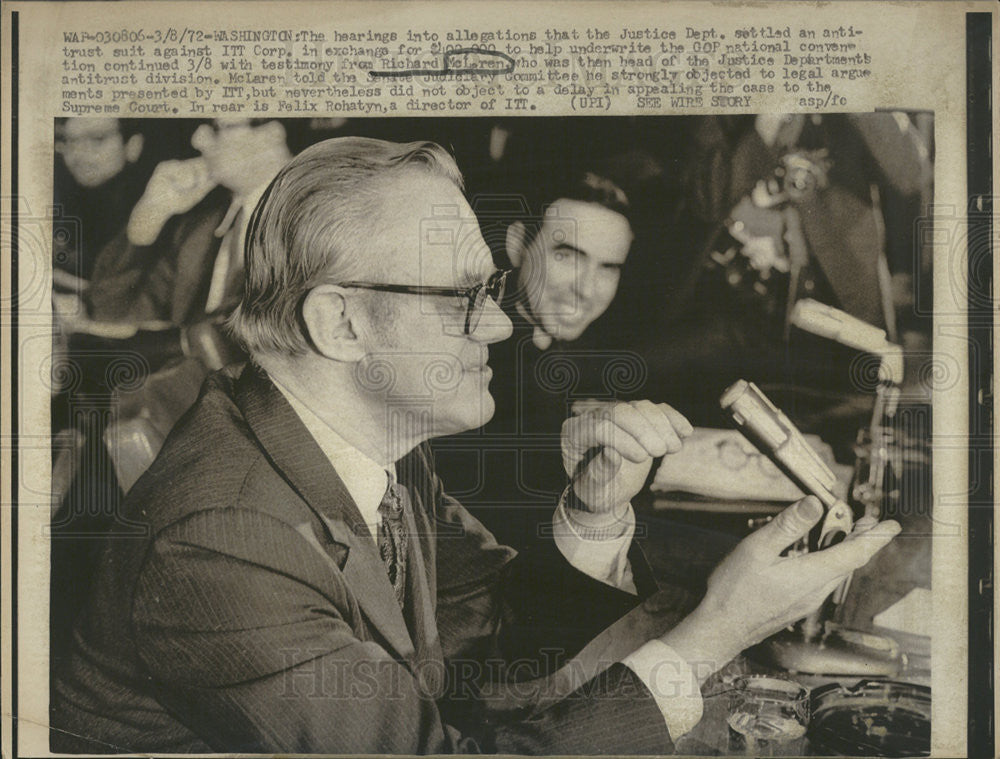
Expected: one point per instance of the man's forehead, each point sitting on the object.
(89, 127)
(580, 222)
(440, 231)
(222, 123)
(566, 212)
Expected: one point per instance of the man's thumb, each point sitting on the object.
(605, 465)
(794, 522)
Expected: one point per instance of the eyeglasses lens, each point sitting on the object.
(493, 288)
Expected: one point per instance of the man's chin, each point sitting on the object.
(91, 180)
(487, 409)
(482, 413)
(566, 331)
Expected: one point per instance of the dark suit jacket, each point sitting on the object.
(256, 615)
(166, 281)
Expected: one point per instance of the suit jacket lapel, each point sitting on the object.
(298, 457)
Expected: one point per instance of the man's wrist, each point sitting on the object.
(572, 501)
(599, 550)
(145, 224)
(705, 641)
(609, 524)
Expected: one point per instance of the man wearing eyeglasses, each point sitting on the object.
(101, 156)
(306, 586)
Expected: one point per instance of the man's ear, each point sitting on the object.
(133, 148)
(327, 321)
(516, 238)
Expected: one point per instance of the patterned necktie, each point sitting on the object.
(392, 538)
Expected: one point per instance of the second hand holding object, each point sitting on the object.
(814, 647)
(774, 434)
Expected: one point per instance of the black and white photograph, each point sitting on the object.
(524, 378)
(370, 427)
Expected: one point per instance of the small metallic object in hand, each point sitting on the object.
(780, 440)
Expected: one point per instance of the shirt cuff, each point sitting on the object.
(596, 544)
(672, 683)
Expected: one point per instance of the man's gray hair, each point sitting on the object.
(314, 224)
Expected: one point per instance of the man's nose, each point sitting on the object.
(494, 325)
(586, 278)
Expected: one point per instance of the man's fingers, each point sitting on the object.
(635, 431)
(659, 413)
(186, 182)
(611, 459)
(647, 426)
(791, 524)
(677, 419)
(586, 406)
(855, 553)
(586, 432)
(656, 426)
(863, 525)
(668, 421)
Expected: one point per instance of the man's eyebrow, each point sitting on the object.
(572, 248)
(581, 252)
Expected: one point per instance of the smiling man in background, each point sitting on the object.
(569, 261)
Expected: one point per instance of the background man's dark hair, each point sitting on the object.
(583, 186)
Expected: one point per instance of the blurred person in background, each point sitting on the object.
(101, 168)
(96, 150)
(163, 285)
(179, 257)
(98, 177)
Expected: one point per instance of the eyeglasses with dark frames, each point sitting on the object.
(476, 295)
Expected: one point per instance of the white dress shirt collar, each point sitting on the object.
(245, 202)
(365, 479)
(231, 235)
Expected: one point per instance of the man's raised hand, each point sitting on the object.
(173, 188)
(608, 447)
